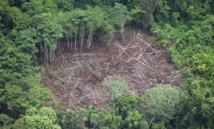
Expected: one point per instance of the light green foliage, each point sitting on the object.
(161, 102)
(43, 20)
(159, 125)
(14, 63)
(44, 119)
(5, 119)
(47, 111)
(116, 86)
(89, 116)
(66, 19)
(47, 26)
(111, 121)
(34, 7)
(19, 100)
(10, 94)
(134, 120)
(189, 48)
(31, 111)
(108, 26)
(25, 40)
(93, 21)
(175, 56)
(81, 23)
(121, 15)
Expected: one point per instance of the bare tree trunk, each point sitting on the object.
(35, 60)
(68, 41)
(88, 40)
(82, 37)
(90, 36)
(75, 44)
(41, 49)
(122, 30)
(46, 53)
(52, 53)
(59, 46)
(108, 39)
(49, 54)
(71, 44)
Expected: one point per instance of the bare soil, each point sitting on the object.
(76, 78)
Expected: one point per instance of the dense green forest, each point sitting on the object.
(31, 30)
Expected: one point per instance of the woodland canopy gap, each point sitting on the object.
(131, 64)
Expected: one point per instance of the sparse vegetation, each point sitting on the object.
(116, 86)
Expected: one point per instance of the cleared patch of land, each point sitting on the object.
(76, 78)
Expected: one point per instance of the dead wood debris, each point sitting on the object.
(80, 75)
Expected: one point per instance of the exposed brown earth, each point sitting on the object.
(76, 78)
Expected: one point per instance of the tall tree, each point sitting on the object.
(161, 103)
(93, 21)
(121, 16)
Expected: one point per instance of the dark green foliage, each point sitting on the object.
(188, 35)
(21, 97)
(130, 109)
(64, 5)
(198, 104)
(125, 103)
(20, 88)
(92, 117)
(29, 27)
(68, 119)
(159, 125)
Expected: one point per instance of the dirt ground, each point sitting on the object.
(76, 78)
